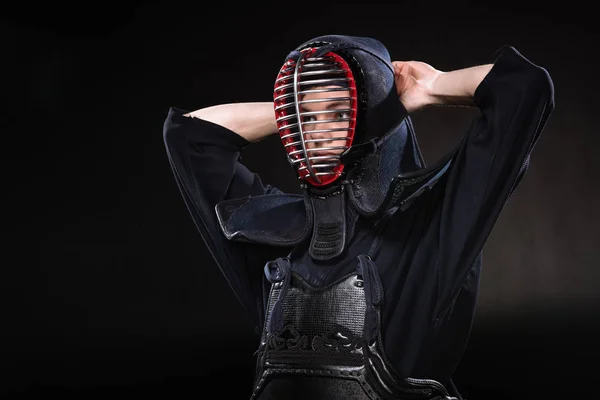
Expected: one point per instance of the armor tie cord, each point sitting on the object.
(278, 271)
(373, 295)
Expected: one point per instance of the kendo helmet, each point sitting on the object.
(335, 99)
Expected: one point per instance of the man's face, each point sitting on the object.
(327, 129)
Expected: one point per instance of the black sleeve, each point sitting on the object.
(515, 99)
(205, 158)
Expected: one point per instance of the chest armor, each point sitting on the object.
(325, 343)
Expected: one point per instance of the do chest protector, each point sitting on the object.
(325, 343)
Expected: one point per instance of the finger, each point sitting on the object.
(397, 66)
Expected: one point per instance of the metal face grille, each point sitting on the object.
(315, 107)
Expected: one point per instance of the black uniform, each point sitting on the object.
(418, 262)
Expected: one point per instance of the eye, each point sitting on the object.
(343, 115)
(308, 118)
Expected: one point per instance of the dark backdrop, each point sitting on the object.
(125, 299)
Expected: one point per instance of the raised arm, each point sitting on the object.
(420, 85)
(203, 149)
(515, 98)
(252, 121)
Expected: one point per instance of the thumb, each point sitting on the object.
(398, 66)
(401, 75)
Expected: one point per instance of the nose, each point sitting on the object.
(323, 139)
(317, 134)
(315, 131)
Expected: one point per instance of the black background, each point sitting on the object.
(125, 300)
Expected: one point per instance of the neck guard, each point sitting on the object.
(375, 185)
